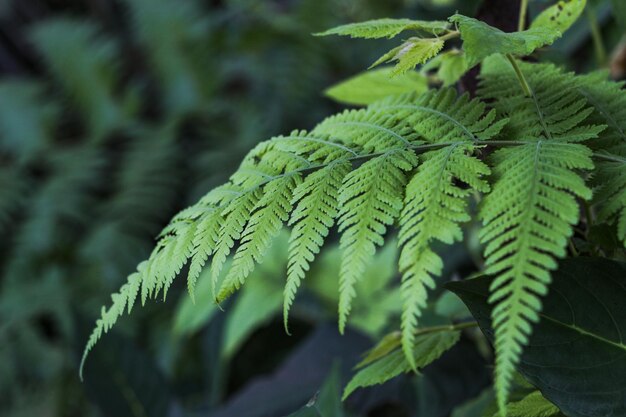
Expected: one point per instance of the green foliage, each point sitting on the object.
(370, 86)
(411, 53)
(583, 315)
(386, 28)
(533, 405)
(379, 368)
(561, 15)
(532, 209)
(481, 40)
(450, 66)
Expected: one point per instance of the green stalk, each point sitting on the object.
(520, 75)
(598, 43)
(522, 15)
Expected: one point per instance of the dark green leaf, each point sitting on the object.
(576, 355)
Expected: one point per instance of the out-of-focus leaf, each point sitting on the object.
(451, 306)
(261, 300)
(476, 407)
(327, 401)
(619, 12)
(428, 347)
(369, 86)
(124, 382)
(301, 375)
(576, 355)
(560, 16)
(377, 299)
(450, 66)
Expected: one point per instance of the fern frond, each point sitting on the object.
(529, 215)
(386, 28)
(318, 206)
(370, 200)
(268, 216)
(435, 205)
(83, 63)
(411, 53)
(609, 105)
(246, 212)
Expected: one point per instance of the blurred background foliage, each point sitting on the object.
(114, 115)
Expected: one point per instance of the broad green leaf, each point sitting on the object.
(561, 15)
(533, 405)
(370, 86)
(191, 316)
(386, 28)
(576, 355)
(428, 348)
(411, 53)
(450, 65)
(481, 40)
(258, 302)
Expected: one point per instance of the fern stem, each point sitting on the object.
(450, 35)
(520, 75)
(598, 44)
(521, 23)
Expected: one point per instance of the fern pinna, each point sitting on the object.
(531, 148)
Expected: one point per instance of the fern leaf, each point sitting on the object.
(435, 205)
(235, 217)
(370, 200)
(411, 53)
(317, 208)
(386, 28)
(528, 216)
(268, 216)
(440, 116)
(481, 40)
(204, 241)
(609, 105)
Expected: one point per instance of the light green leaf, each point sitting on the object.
(533, 405)
(370, 86)
(258, 302)
(411, 53)
(481, 40)
(385, 28)
(428, 348)
(450, 65)
(560, 16)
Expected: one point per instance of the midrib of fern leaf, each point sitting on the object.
(527, 220)
(317, 208)
(370, 200)
(435, 206)
(529, 215)
(204, 241)
(235, 217)
(268, 216)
